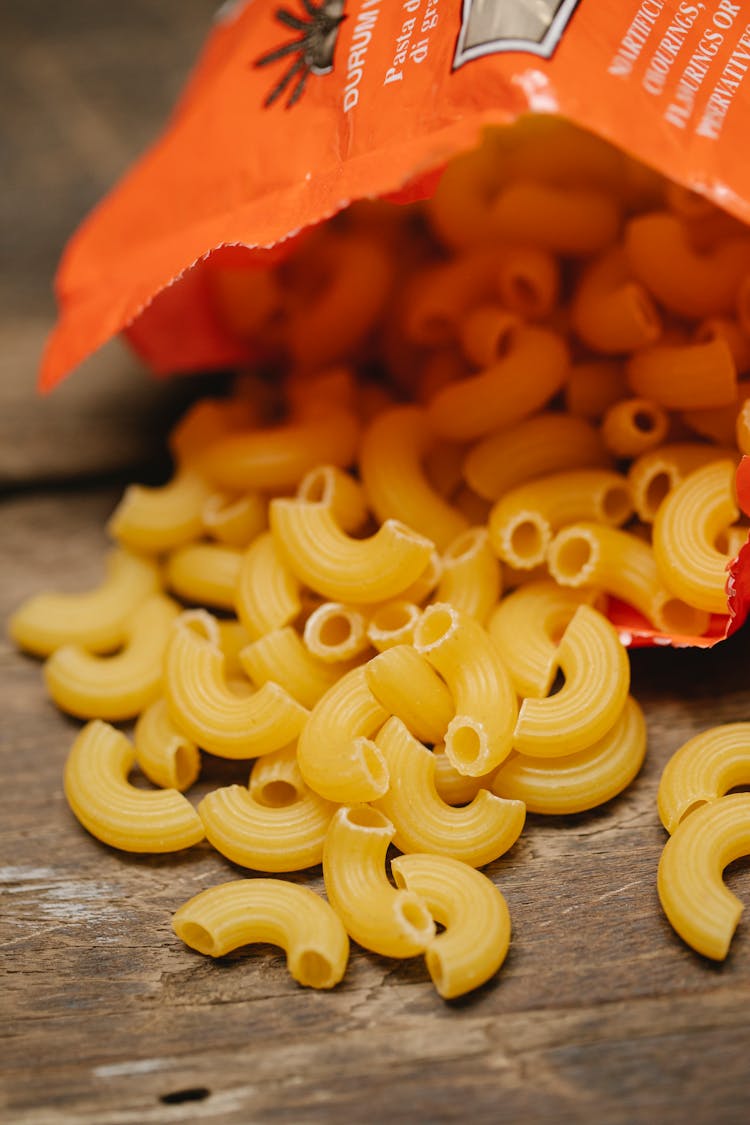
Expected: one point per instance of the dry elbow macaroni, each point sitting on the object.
(405, 539)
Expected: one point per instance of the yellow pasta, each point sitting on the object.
(391, 463)
(486, 333)
(633, 426)
(459, 209)
(438, 297)
(702, 770)
(234, 521)
(656, 473)
(164, 754)
(597, 681)
(206, 421)
(392, 623)
(204, 573)
(685, 376)
(335, 632)
(335, 753)
(471, 580)
(320, 554)
(428, 581)
(476, 934)
(546, 443)
(688, 282)
(738, 342)
(571, 220)
(391, 922)
(272, 839)
(453, 787)
(97, 619)
(529, 374)
(276, 780)
(202, 705)
(153, 520)
(702, 910)
(580, 781)
(685, 530)
(120, 686)
(528, 281)
(477, 834)
(479, 735)
(522, 522)
(279, 457)
(267, 595)
(527, 627)
(743, 303)
(116, 812)
(591, 388)
(609, 559)
(405, 684)
(611, 313)
(282, 658)
(327, 484)
(244, 911)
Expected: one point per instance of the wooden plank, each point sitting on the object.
(600, 1013)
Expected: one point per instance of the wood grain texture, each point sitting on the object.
(600, 1013)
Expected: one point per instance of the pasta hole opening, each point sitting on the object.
(690, 809)
(556, 625)
(314, 970)
(201, 623)
(644, 421)
(436, 625)
(528, 540)
(189, 1094)
(524, 294)
(374, 764)
(615, 504)
(363, 816)
(657, 489)
(505, 338)
(464, 546)
(335, 630)
(678, 617)
(434, 963)
(645, 313)
(572, 557)
(184, 767)
(466, 745)
(415, 916)
(278, 794)
(197, 937)
(316, 486)
(393, 618)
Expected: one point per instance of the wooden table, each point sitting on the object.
(600, 1013)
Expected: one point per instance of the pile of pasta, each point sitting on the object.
(383, 569)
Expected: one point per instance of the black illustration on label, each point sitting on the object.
(311, 50)
(492, 26)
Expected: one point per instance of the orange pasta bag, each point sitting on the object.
(295, 111)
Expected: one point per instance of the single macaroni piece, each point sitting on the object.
(153, 520)
(335, 753)
(523, 521)
(685, 376)
(581, 781)
(405, 684)
(245, 911)
(234, 521)
(273, 839)
(281, 657)
(485, 332)
(453, 787)
(702, 770)
(327, 484)
(279, 457)
(686, 528)
(267, 595)
(527, 627)
(203, 706)
(610, 312)
(473, 912)
(621, 564)
(592, 387)
(388, 921)
(97, 619)
(702, 910)
(331, 563)
(275, 779)
(597, 681)
(391, 458)
(392, 623)
(479, 736)
(116, 812)
(530, 372)
(164, 754)
(528, 281)
(568, 220)
(656, 473)
(546, 443)
(471, 580)
(204, 573)
(633, 426)
(119, 686)
(688, 282)
(477, 834)
(335, 632)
